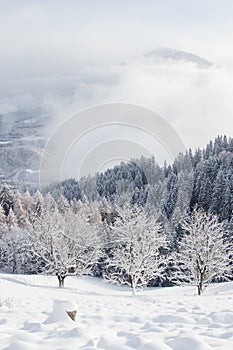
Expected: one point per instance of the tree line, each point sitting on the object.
(136, 224)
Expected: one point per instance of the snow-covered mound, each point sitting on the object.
(108, 317)
(161, 55)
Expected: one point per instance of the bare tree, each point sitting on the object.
(49, 244)
(138, 243)
(84, 231)
(203, 253)
(62, 240)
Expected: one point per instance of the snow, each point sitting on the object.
(5, 143)
(30, 171)
(26, 121)
(33, 316)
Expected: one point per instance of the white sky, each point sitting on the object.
(56, 36)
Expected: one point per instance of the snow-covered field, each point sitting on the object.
(110, 318)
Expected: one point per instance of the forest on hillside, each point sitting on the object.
(131, 224)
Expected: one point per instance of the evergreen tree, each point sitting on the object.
(62, 204)
(2, 216)
(6, 199)
(3, 226)
(11, 220)
(38, 204)
(28, 206)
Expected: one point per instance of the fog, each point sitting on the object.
(66, 56)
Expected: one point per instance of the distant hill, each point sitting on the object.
(160, 55)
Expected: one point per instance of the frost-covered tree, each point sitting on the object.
(155, 197)
(2, 216)
(85, 232)
(3, 229)
(38, 204)
(11, 220)
(22, 219)
(6, 199)
(28, 205)
(171, 193)
(182, 205)
(63, 240)
(138, 248)
(20, 212)
(69, 188)
(88, 188)
(63, 204)
(17, 201)
(203, 253)
(14, 252)
(50, 246)
(49, 203)
(14, 244)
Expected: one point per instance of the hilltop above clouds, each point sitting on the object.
(163, 54)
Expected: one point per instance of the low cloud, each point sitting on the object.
(196, 101)
(6, 108)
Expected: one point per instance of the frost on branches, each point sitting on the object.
(66, 240)
(137, 248)
(203, 253)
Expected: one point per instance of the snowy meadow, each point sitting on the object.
(109, 317)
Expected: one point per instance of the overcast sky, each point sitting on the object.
(56, 36)
(71, 54)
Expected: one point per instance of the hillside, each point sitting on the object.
(110, 318)
(160, 55)
(21, 145)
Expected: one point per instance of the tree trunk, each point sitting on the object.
(61, 279)
(14, 264)
(133, 285)
(200, 284)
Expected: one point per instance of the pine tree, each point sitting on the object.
(27, 204)
(171, 193)
(38, 202)
(218, 193)
(2, 215)
(11, 220)
(6, 199)
(49, 203)
(227, 207)
(22, 219)
(3, 226)
(62, 204)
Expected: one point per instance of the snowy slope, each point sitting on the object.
(110, 318)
